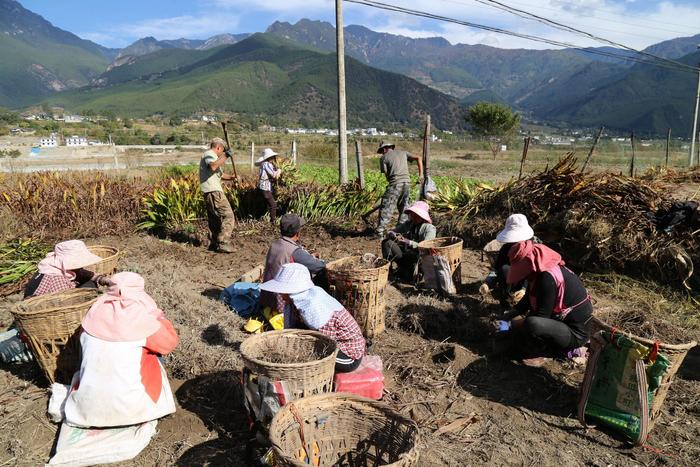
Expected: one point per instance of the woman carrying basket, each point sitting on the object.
(66, 267)
(121, 380)
(314, 308)
(556, 305)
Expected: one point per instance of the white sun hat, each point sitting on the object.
(292, 278)
(266, 154)
(516, 230)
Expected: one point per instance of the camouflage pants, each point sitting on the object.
(395, 196)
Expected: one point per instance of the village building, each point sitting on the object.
(74, 141)
(49, 142)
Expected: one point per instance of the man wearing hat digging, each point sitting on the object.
(394, 165)
(219, 213)
(268, 172)
(401, 246)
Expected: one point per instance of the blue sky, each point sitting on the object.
(637, 23)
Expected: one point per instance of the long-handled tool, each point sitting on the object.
(228, 148)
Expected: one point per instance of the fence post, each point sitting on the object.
(590, 153)
(526, 146)
(252, 156)
(668, 143)
(294, 152)
(360, 164)
(633, 156)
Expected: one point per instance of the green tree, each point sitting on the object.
(494, 121)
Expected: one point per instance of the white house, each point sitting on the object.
(76, 141)
(74, 118)
(50, 142)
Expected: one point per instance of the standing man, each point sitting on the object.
(394, 165)
(219, 213)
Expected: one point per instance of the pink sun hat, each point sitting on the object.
(420, 208)
(67, 256)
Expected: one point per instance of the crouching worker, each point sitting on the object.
(311, 306)
(121, 380)
(66, 267)
(556, 305)
(401, 246)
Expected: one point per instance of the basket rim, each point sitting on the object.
(643, 340)
(426, 243)
(20, 308)
(340, 398)
(330, 265)
(115, 251)
(295, 332)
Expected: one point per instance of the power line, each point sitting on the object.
(564, 27)
(388, 7)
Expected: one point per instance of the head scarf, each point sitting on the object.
(528, 259)
(65, 258)
(315, 306)
(125, 312)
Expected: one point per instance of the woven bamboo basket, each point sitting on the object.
(302, 379)
(448, 247)
(110, 257)
(51, 326)
(675, 354)
(343, 429)
(361, 291)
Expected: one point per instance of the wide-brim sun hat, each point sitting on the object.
(265, 155)
(385, 144)
(71, 255)
(516, 230)
(420, 208)
(292, 278)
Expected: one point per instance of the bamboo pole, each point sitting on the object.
(633, 155)
(526, 146)
(590, 153)
(360, 164)
(668, 143)
(426, 156)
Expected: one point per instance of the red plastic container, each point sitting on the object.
(366, 381)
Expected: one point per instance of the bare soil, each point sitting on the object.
(473, 407)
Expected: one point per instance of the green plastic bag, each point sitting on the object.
(622, 377)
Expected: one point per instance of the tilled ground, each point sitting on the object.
(472, 406)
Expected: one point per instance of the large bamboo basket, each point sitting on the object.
(361, 291)
(675, 354)
(51, 325)
(110, 257)
(303, 379)
(448, 247)
(346, 429)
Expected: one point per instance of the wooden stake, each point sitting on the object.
(252, 157)
(426, 156)
(360, 164)
(342, 116)
(294, 152)
(526, 146)
(590, 153)
(633, 156)
(668, 143)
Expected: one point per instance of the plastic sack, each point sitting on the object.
(620, 384)
(367, 380)
(437, 274)
(80, 446)
(242, 297)
(12, 349)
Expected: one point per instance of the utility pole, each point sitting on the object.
(252, 156)
(360, 165)
(426, 155)
(342, 123)
(695, 122)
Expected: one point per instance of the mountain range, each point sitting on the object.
(567, 87)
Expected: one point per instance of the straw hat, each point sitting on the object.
(516, 230)
(266, 154)
(385, 144)
(420, 208)
(292, 278)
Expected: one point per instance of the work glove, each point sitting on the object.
(409, 243)
(391, 234)
(228, 153)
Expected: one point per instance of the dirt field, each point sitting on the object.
(439, 368)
